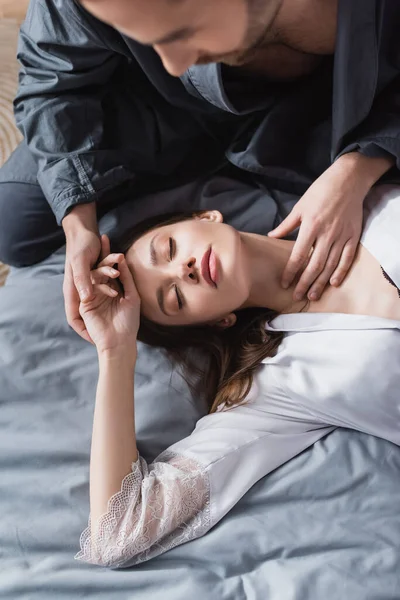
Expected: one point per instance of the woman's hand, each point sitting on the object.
(112, 316)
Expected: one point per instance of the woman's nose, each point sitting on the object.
(189, 270)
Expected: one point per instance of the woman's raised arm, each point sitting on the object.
(140, 510)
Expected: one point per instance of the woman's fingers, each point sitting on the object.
(126, 278)
(103, 274)
(111, 259)
(106, 289)
(121, 277)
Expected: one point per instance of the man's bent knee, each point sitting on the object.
(28, 229)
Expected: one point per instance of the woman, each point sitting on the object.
(282, 373)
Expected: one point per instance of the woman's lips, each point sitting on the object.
(205, 268)
(213, 268)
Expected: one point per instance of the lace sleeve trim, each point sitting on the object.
(158, 507)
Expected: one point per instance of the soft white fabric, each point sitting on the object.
(330, 370)
(168, 497)
(192, 485)
(345, 369)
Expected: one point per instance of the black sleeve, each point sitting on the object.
(379, 134)
(64, 66)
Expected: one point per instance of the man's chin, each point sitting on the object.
(235, 59)
(229, 60)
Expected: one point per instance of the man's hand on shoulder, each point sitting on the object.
(330, 216)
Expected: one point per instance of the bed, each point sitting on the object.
(325, 525)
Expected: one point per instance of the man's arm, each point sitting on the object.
(378, 136)
(330, 213)
(64, 68)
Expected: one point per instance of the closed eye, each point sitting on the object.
(172, 252)
(180, 303)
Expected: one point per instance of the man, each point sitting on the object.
(302, 93)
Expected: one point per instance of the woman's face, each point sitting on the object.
(190, 272)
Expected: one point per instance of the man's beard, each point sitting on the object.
(257, 35)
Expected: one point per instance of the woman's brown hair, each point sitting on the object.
(218, 364)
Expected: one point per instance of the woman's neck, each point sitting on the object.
(266, 259)
(364, 290)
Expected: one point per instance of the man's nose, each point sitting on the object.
(176, 58)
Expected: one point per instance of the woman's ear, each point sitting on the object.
(214, 216)
(227, 321)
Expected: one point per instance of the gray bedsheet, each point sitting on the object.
(325, 526)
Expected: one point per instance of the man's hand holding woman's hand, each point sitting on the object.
(111, 315)
(97, 308)
(83, 252)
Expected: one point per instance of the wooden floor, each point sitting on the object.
(13, 9)
(11, 14)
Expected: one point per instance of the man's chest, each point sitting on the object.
(303, 32)
(281, 63)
